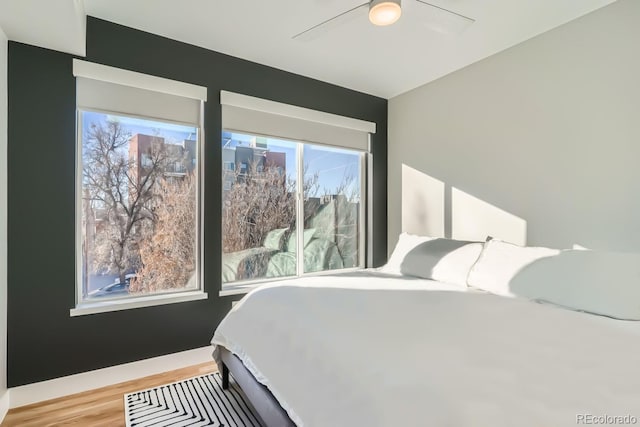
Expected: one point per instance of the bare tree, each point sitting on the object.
(121, 192)
(257, 202)
(168, 257)
(260, 201)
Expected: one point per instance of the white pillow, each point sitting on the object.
(406, 242)
(444, 260)
(500, 262)
(604, 283)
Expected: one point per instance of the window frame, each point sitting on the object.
(364, 212)
(87, 306)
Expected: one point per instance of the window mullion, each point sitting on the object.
(368, 214)
(363, 221)
(300, 210)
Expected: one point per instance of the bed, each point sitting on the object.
(378, 349)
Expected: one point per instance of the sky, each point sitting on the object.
(331, 164)
(172, 133)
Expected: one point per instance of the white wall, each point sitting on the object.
(539, 144)
(4, 396)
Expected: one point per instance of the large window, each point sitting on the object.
(138, 186)
(139, 221)
(289, 208)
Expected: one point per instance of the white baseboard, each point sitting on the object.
(4, 405)
(64, 386)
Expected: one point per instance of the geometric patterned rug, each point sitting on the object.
(198, 401)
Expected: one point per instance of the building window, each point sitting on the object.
(139, 204)
(289, 208)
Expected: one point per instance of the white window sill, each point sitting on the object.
(124, 304)
(238, 289)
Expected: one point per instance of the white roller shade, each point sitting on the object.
(247, 114)
(106, 88)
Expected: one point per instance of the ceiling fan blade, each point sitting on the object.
(329, 24)
(444, 20)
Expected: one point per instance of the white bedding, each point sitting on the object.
(371, 349)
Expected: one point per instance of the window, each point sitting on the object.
(258, 209)
(276, 186)
(332, 214)
(138, 190)
(139, 221)
(289, 207)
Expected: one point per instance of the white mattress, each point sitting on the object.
(378, 350)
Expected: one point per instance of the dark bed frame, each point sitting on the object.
(265, 404)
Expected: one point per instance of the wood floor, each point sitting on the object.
(95, 408)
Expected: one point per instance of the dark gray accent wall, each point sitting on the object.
(44, 342)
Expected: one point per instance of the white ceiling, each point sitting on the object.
(383, 61)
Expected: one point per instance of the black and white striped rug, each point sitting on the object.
(198, 401)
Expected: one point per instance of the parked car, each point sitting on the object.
(115, 289)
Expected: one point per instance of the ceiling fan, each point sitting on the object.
(387, 12)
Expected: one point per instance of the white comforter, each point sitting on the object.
(369, 350)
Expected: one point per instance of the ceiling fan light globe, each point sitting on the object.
(384, 12)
